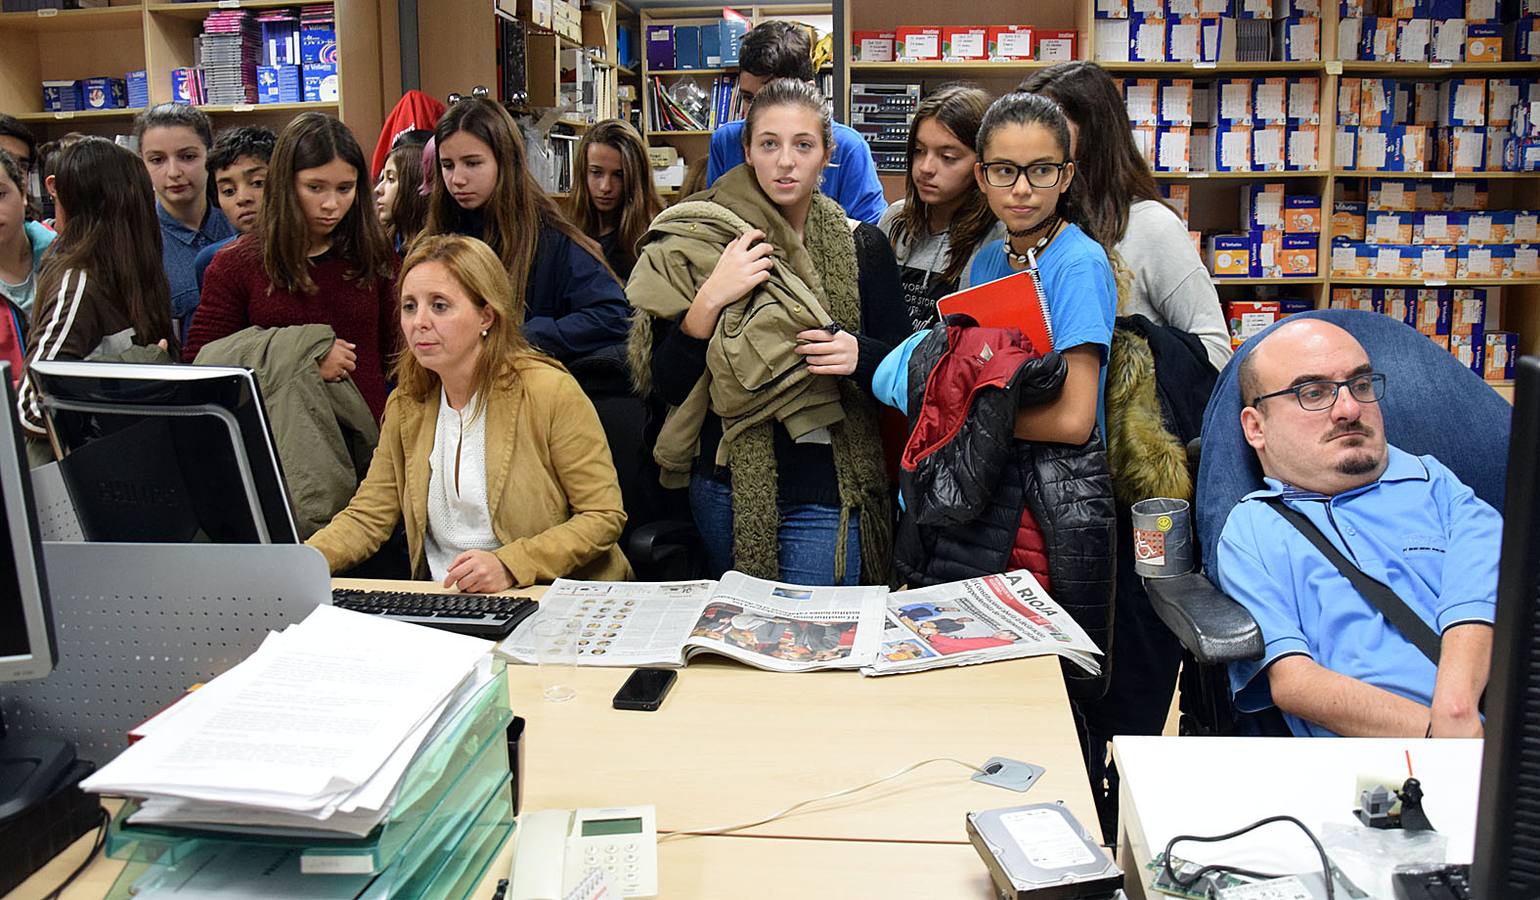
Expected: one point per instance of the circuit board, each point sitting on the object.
(1205, 888)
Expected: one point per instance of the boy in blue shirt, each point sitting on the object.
(781, 49)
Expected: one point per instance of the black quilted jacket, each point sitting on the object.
(1067, 488)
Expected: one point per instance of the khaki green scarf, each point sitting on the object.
(828, 267)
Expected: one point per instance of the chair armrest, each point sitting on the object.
(656, 541)
(1213, 628)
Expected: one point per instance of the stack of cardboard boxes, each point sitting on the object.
(1282, 237)
(1227, 125)
(1439, 31)
(1198, 31)
(1433, 232)
(1454, 125)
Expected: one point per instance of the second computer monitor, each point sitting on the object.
(166, 454)
(27, 648)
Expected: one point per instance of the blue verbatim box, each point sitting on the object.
(61, 96)
(318, 46)
(137, 84)
(320, 84)
(103, 93)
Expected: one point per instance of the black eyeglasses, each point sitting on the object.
(1314, 396)
(1041, 175)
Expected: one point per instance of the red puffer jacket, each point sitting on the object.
(978, 501)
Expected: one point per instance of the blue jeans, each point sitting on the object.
(808, 535)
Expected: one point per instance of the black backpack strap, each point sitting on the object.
(1379, 594)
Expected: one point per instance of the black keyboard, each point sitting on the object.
(478, 615)
(1433, 883)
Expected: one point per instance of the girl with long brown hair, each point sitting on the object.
(490, 455)
(615, 200)
(573, 304)
(102, 287)
(944, 218)
(318, 257)
(1170, 284)
(398, 197)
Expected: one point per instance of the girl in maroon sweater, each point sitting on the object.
(318, 256)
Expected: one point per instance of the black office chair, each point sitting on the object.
(1433, 405)
(660, 538)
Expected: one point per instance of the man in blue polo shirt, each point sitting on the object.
(1332, 664)
(780, 49)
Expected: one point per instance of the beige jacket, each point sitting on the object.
(551, 485)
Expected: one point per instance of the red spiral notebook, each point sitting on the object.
(1015, 301)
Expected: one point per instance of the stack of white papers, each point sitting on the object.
(313, 732)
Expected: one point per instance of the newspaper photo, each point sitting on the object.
(979, 620)
(772, 625)
(789, 628)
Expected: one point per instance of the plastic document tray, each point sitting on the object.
(458, 784)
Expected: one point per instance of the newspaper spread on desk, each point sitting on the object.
(979, 620)
(768, 624)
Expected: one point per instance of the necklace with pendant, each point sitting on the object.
(1048, 226)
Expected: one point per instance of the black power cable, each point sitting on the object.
(96, 847)
(1192, 879)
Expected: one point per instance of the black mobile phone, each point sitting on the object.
(645, 689)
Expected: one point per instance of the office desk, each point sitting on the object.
(1189, 785)
(743, 868)
(733, 744)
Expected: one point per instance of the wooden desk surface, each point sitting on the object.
(733, 743)
(745, 868)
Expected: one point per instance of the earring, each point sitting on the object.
(483, 332)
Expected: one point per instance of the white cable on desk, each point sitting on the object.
(726, 829)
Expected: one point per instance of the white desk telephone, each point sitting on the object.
(554, 849)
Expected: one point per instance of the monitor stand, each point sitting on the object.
(30, 769)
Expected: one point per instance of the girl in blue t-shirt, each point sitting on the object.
(1026, 174)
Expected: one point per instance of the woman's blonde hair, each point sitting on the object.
(478, 270)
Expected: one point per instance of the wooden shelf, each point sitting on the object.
(1400, 69)
(980, 67)
(666, 134)
(255, 109)
(1504, 389)
(627, 71)
(1220, 68)
(200, 11)
(1237, 176)
(88, 114)
(1436, 283)
(1220, 281)
(1423, 176)
(713, 71)
(105, 18)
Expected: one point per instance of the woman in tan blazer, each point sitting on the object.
(490, 454)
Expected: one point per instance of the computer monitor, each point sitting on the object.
(27, 648)
(166, 454)
(1507, 855)
(30, 768)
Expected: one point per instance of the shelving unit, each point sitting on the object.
(695, 144)
(157, 37)
(1214, 195)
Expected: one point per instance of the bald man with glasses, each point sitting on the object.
(1332, 663)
